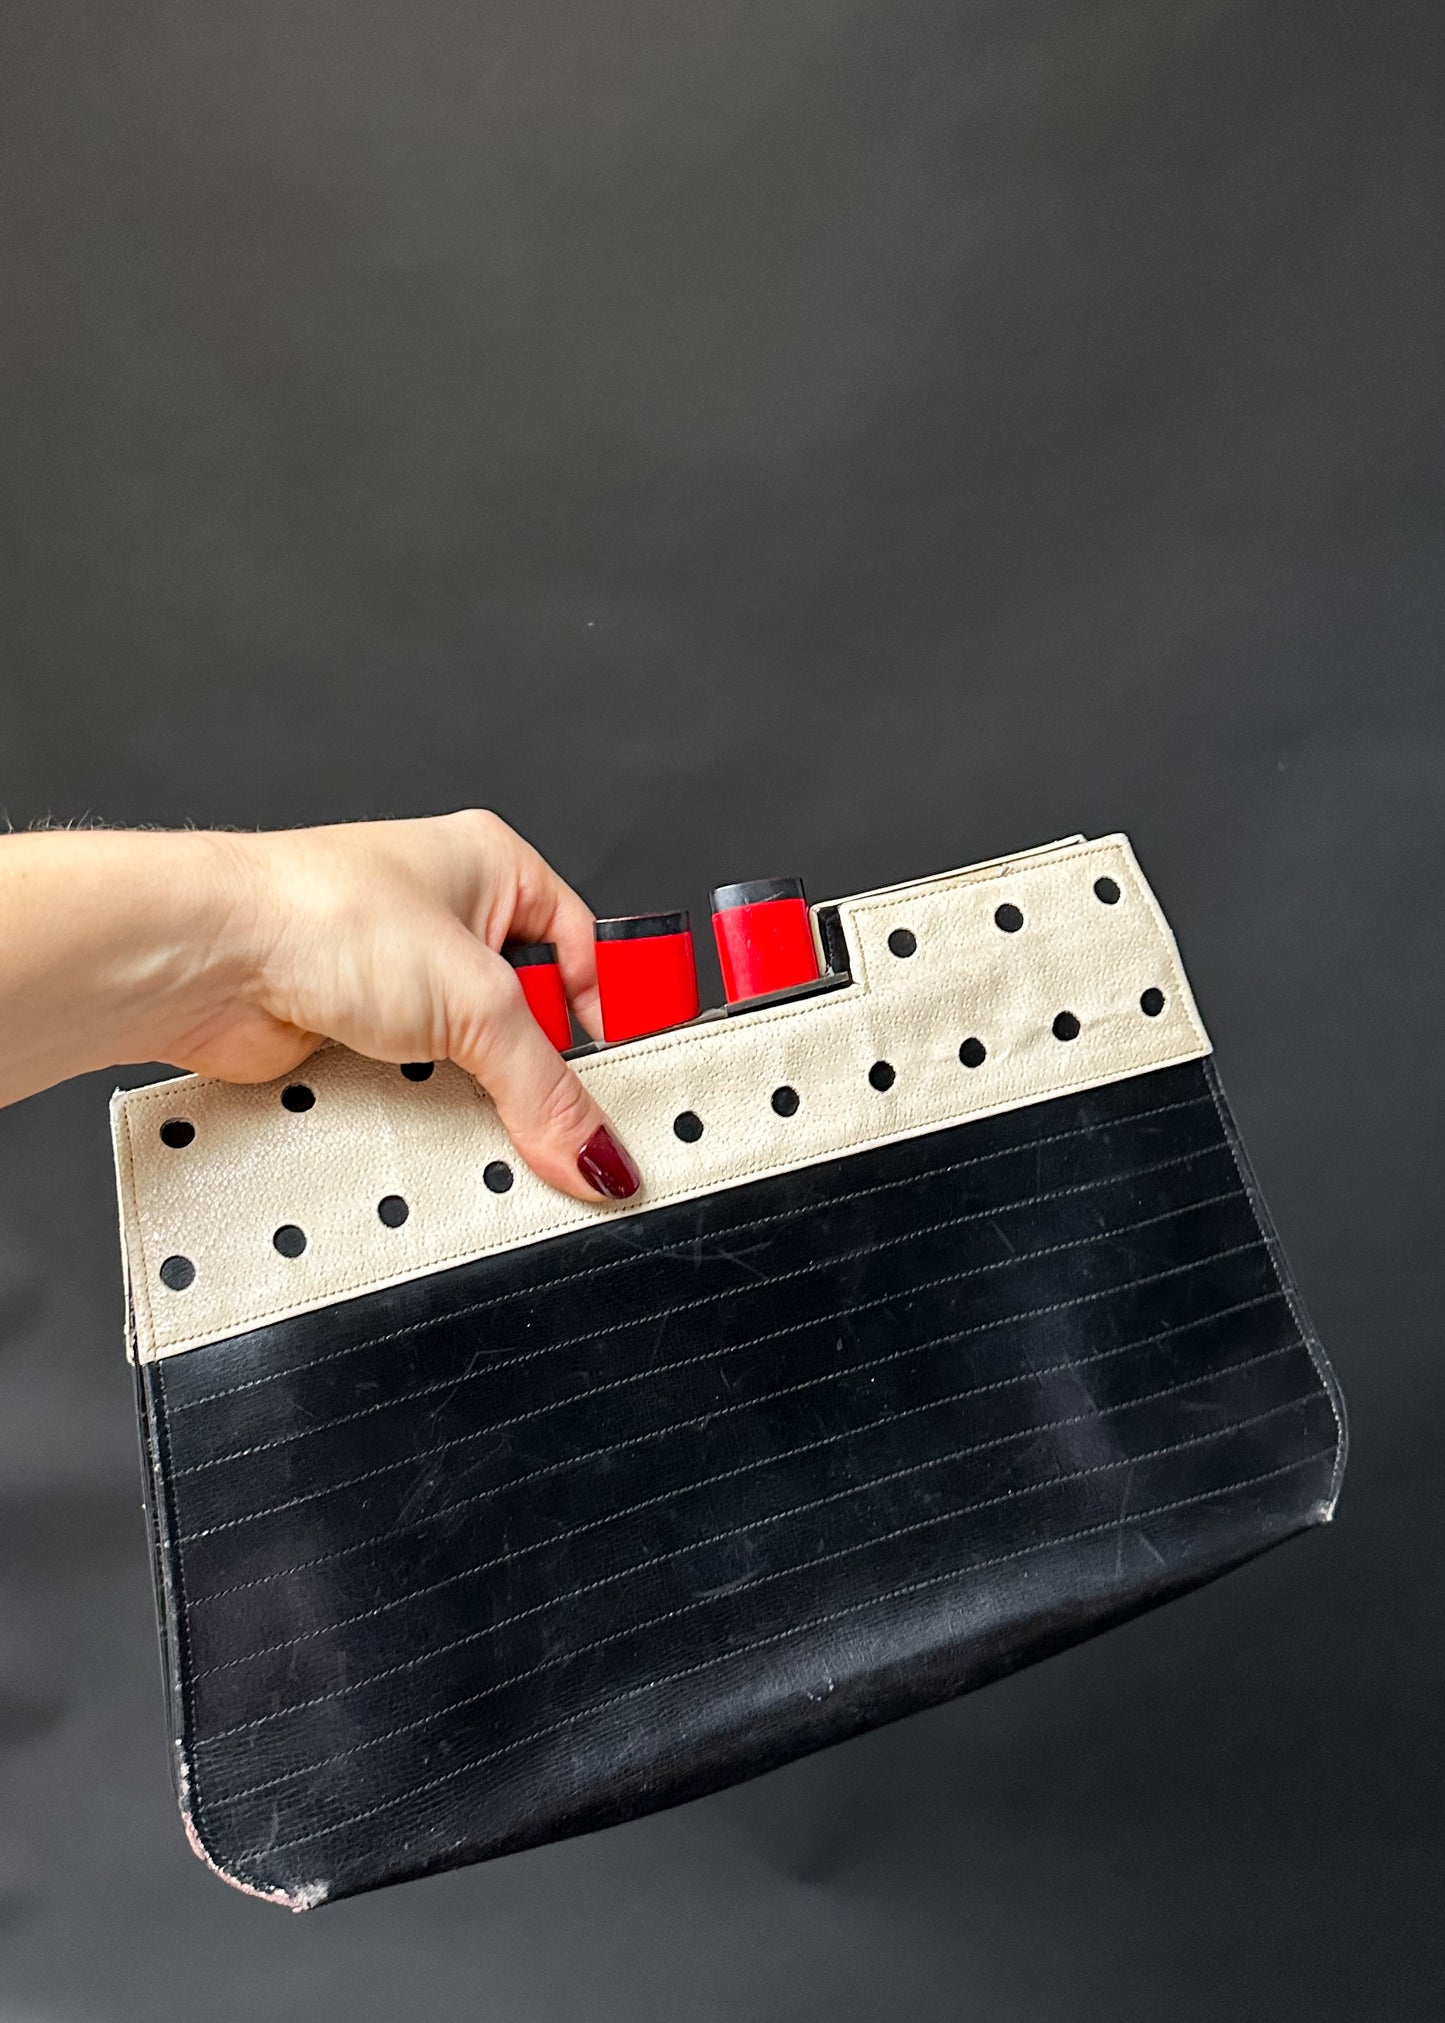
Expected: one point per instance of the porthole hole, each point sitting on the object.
(785, 1101)
(418, 1071)
(902, 941)
(177, 1132)
(688, 1126)
(1008, 918)
(289, 1240)
(1106, 891)
(497, 1175)
(1066, 1026)
(297, 1097)
(1152, 1002)
(882, 1075)
(973, 1053)
(392, 1210)
(177, 1273)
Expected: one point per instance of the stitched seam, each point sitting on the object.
(750, 1404)
(453, 1384)
(706, 1356)
(686, 1243)
(778, 1573)
(777, 1637)
(1102, 1416)
(1283, 1278)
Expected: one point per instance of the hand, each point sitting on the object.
(233, 954)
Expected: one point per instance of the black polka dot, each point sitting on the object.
(1106, 890)
(392, 1210)
(1152, 1002)
(785, 1101)
(1009, 919)
(973, 1053)
(176, 1132)
(177, 1273)
(497, 1175)
(1066, 1026)
(688, 1126)
(296, 1096)
(290, 1240)
(417, 1071)
(902, 941)
(882, 1075)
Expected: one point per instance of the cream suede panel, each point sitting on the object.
(253, 1165)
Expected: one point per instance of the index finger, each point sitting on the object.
(546, 908)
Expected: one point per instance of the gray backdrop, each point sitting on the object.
(844, 437)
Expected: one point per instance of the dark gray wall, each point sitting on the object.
(846, 437)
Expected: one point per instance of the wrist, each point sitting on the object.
(120, 943)
(199, 919)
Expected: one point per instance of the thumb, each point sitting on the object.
(557, 1127)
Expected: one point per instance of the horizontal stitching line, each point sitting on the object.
(691, 1362)
(625, 1511)
(766, 1398)
(729, 1411)
(590, 1335)
(780, 1636)
(1037, 1432)
(779, 1573)
(575, 1531)
(1307, 1334)
(733, 1229)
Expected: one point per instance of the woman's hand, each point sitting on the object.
(233, 954)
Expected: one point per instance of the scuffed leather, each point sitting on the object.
(578, 1530)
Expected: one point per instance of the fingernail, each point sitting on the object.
(604, 1165)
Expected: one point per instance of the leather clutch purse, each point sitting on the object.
(949, 1328)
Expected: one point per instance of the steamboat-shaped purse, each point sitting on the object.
(949, 1328)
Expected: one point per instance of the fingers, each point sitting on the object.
(556, 1125)
(571, 930)
(544, 907)
(568, 924)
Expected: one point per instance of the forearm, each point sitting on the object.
(114, 946)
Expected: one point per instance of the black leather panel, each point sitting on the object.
(565, 1535)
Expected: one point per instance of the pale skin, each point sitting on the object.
(235, 954)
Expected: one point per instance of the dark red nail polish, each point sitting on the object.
(604, 1165)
